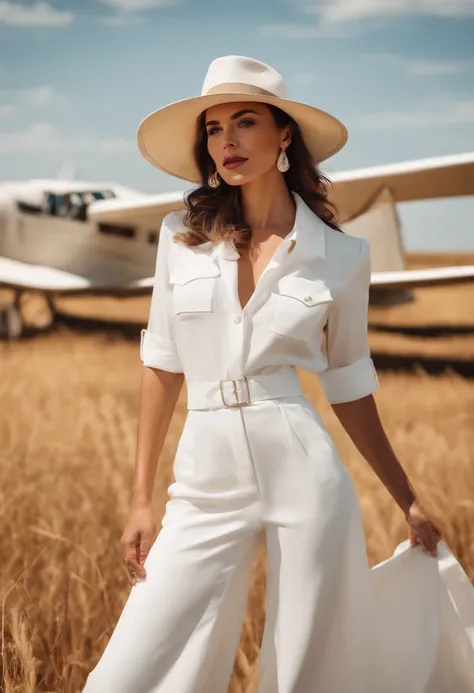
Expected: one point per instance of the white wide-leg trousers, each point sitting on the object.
(270, 473)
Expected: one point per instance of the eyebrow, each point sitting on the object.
(233, 117)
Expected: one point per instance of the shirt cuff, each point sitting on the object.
(351, 382)
(156, 352)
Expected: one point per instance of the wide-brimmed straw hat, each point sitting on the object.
(166, 137)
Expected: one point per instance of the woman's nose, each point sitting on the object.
(229, 140)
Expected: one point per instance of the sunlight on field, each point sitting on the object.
(67, 431)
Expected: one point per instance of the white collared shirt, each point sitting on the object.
(317, 276)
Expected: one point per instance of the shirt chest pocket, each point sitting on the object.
(300, 307)
(194, 288)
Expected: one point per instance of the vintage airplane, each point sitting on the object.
(366, 202)
(69, 238)
(49, 245)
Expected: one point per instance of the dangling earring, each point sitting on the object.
(283, 163)
(214, 180)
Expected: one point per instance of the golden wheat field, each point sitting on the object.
(69, 400)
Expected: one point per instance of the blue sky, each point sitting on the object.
(76, 78)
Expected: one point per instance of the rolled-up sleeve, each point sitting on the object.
(157, 346)
(350, 372)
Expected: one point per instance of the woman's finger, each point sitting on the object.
(143, 550)
(134, 566)
(132, 552)
(430, 539)
(413, 537)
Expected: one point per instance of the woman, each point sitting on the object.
(248, 278)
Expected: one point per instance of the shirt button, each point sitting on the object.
(308, 299)
(237, 319)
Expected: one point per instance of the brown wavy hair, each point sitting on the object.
(215, 214)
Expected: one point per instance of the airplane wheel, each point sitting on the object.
(36, 310)
(11, 324)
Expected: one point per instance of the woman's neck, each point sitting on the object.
(268, 206)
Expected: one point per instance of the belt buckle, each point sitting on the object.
(238, 403)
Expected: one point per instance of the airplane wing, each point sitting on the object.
(408, 181)
(355, 193)
(410, 279)
(379, 224)
(421, 179)
(48, 280)
(148, 211)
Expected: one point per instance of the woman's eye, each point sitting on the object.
(248, 122)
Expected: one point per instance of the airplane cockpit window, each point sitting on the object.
(73, 205)
(103, 194)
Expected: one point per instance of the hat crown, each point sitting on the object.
(238, 69)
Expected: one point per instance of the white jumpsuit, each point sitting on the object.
(268, 471)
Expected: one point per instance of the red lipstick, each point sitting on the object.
(233, 161)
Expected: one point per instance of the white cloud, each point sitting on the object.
(39, 14)
(459, 112)
(302, 31)
(42, 137)
(6, 110)
(429, 68)
(137, 5)
(295, 31)
(421, 68)
(413, 68)
(119, 20)
(118, 145)
(41, 96)
(36, 138)
(353, 10)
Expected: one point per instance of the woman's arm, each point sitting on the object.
(159, 392)
(162, 375)
(161, 382)
(361, 421)
(349, 382)
(350, 378)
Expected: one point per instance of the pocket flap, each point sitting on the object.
(199, 268)
(309, 291)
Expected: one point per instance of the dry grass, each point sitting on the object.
(67, 431)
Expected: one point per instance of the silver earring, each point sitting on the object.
(214, 180)
(282, 162)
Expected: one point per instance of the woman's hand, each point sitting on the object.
(422, 530)
(137, 538)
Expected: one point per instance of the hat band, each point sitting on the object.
(238, 88)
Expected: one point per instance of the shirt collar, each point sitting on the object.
(308, 232)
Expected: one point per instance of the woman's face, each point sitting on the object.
(247, 132)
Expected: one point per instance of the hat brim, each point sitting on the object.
(167, 136)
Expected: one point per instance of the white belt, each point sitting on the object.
(239, 392)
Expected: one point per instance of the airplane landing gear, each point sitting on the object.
(28, 310)
(11, 325)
